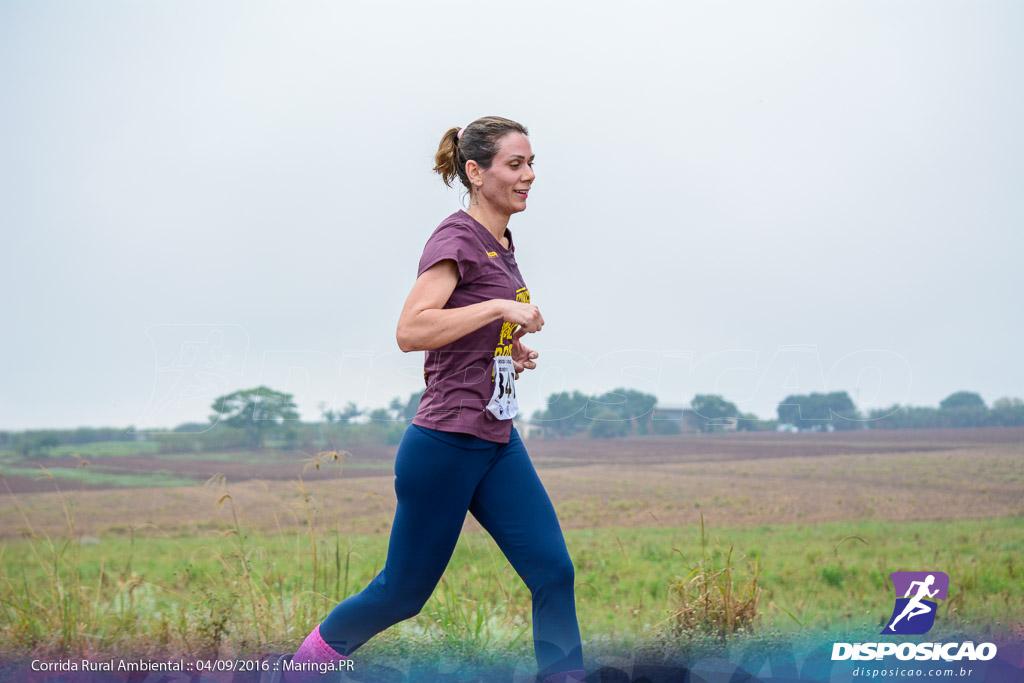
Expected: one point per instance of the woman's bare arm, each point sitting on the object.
(425, 324)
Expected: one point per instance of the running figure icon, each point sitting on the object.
(916, 607)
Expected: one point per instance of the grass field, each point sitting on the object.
(184, 569)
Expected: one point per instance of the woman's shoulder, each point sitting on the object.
(457, 228)
(456, 239)
(457, 224)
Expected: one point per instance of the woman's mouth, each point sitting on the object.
(521, 193)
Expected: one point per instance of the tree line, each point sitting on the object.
(261, 417)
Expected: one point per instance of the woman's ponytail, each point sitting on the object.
(446, 161)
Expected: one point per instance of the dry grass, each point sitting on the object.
(716, 601)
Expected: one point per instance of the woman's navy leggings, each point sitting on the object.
(438, 477)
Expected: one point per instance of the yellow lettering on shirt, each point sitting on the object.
(508, 328)
(504, 347)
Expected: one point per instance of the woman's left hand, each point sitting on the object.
(522, 357)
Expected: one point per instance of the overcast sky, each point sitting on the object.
(752, 199)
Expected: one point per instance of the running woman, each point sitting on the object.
(468, 309)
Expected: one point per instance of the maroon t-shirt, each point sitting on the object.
(460, 375)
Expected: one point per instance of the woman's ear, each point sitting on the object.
(473, 172)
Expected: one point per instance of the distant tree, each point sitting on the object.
(258, 411)
(899, 416)
(329, 414)
(397, 408)
(607, 424)
(964, 409)
(962, 399)
(37, 445)
(633, 407)
(810, 410)
(412, 406)
(712, 408)
(844, 413)
(566, 413)
(351, 410)
(381, 415)
(192, 427)
(1008, 411)
(749, 422)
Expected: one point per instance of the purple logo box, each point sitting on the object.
(902, 581)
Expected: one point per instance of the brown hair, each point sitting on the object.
(479, 143)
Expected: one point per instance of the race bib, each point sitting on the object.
(503, 404)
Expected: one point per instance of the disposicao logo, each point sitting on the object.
(914, 613)
(917, 594)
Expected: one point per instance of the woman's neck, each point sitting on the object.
(494, 221)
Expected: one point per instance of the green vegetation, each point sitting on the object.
(715, 598)
(816, 410)
(960, 409)
(621, 412)
(95, 476)
(626, 412)
(99, 449)
(258, 412)
(236, 592)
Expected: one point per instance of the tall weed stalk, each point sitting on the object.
(715, 600)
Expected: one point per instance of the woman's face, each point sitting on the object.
(506, 184)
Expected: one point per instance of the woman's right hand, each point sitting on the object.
(527, 316)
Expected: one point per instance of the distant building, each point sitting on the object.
(725, 424)
(529, 431)
(688, 420)
(787, 427)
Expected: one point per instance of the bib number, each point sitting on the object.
(503, 404)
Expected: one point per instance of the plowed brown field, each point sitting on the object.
(744, 478)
